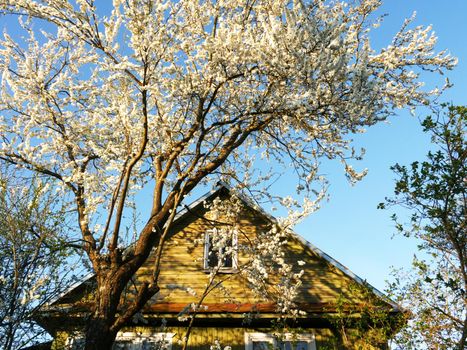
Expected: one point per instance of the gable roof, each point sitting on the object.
(224, 188)
(247, 201)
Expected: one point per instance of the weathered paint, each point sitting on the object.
(182, 267)
(60, 339)
(203, 337)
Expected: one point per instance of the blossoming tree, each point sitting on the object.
(167, 95)
(33, 246)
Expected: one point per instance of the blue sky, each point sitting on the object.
(349, 227)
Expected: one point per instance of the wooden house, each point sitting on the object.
(333, 308)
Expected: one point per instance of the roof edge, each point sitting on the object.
(317, 251)
(70, 288)
(253, 206)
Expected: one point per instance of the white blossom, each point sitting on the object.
(172, 96)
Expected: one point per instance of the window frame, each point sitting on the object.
(138, 338)
(135, 338)
(207, 244)
(270, 338)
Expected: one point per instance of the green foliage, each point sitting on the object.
(364, 320)
(32, 253)
(435, 190)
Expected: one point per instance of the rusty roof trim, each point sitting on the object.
(316, 250)
(250, 204)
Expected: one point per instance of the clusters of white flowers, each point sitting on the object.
(176, 93)
(29, 293)
(71, 100)
(217, 346)
(262, 260)
(190, 310)
(188, 290)
(303, 73)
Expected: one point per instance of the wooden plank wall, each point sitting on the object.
(182, 265)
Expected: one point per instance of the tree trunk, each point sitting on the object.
(113, 275)
(98, 334)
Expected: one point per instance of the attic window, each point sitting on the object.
(220, 250)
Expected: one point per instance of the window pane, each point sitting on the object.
(213, 254)
(76, 344)
(261, 345)
(141, 345)
(228, 257)
(124, 345)
(156, 345)
(293, 345)
(300, 345)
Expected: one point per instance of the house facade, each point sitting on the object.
(208, 294)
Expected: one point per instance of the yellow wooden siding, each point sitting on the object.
(182, 265)
(183, 260)
(202, 338)
(59, 341)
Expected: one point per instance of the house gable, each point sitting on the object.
(324, 279)
(183, 278)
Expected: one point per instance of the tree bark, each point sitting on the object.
(99, 333)
(110, 313)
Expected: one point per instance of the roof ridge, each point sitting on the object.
(254, 206)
